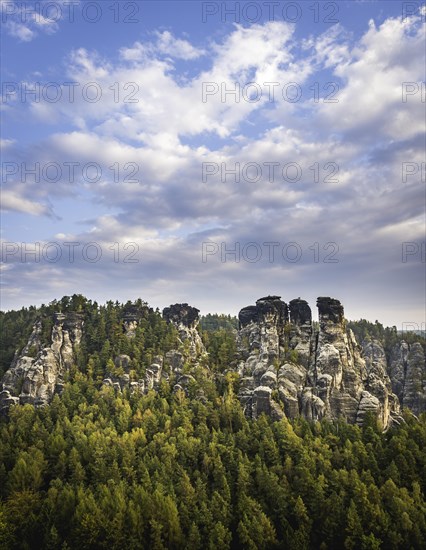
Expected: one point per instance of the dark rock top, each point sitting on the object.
(330, 309)
(264, 306)
(247, 315)
(135, 313)
(181, 313)
(274, 305)
(300, 312)
(269, 299)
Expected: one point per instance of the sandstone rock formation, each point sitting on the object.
(131, 317)
(407, 369)
(287, 367)
(120, 382)
(186, 318)
(287, 364)
(37, 372)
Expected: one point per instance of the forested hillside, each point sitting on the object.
(96, 470)
(216, 330)
(212, 322)
(388, 336)
(178, 464)
(103, 336)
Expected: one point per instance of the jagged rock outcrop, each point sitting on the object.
(183, 314)
(368, 403)
(150, 381)
(186, 318)
(131, 317)
(260, 344)
(176, 360)
(287, 364)
(378, 382)
(36, 374)
(300, 333)
(337, 355)
(414, 396)
(313, 373)
(130, 324)
(407, 370)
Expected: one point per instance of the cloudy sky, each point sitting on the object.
(214, 153)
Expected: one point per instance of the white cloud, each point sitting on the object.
(20, 31)
(48, 25)
(22, 20)
(175, 47)
(370, 99)
(11, 200)
(6, 142)
(165, 44)
(137, 52)
(149, 98)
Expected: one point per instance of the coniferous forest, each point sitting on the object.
(173, 470)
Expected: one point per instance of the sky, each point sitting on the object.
(214, 153)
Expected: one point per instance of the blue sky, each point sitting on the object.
(330, 198)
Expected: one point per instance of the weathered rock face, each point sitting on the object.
(131, 317)
(414, 396)
(300, 335)
(378, 382)
(191, 350)
(130, 324)
(186, 318)
(37, 372)
(182, 314)
(121, 382)
(287, 367)
(330, 311)
(407, 369)
(260, 344)
(337, 369)
(262, 329)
